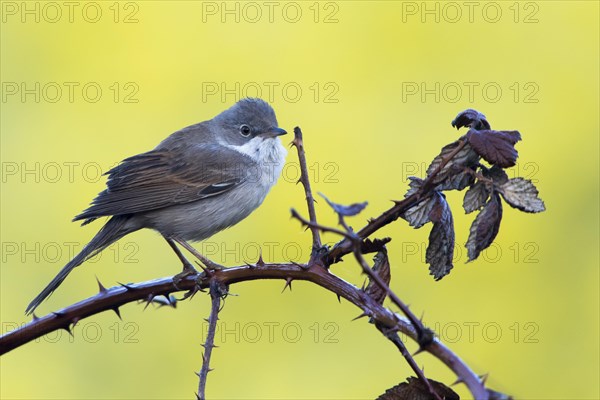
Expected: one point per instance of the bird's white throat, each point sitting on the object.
(268, 153)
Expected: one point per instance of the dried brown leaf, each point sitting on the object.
(415, 389)
(475, 197)
(522, 194)
(414, 184)
(418, 215)
(465, 158)
(459, 181)
(441, 239)
(496, 147)
(485, 227)
(382, 268)
(470, 118)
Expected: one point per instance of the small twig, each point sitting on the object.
(394, 338)
(318, 227)
(216, 294)
(310, 200)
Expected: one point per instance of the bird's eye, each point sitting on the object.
(245, 130)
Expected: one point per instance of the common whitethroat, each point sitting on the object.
(195, 183)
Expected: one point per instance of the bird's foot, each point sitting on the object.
(209, 265)
(188, 269)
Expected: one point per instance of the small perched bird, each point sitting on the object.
(195, 183)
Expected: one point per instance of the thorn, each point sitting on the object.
(197, 374)
(288, 283)
(260, 262)
(101, 288)
(126, 286)
(301, 266)
(74, 322)
(66, 328)
(210, 370)
(116, 310)
(420, 350)
(148, 300)
(339, 298)
(422, 316)
(295, 142)
(250, 266)
(359, 317)
(35, 317)
(484, 378)
(197, 397)
(457, 381)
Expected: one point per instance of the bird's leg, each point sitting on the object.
(211, 265)
(188, 268)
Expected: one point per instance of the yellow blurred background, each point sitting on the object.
(374, 86)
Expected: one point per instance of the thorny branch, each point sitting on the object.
(310, 200)
(495, 147)
(216, 292)
(115, 297)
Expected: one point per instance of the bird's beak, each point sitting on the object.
(275, 131)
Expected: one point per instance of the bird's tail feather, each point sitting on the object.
(112, 231)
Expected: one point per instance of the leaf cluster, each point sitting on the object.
(459, 166)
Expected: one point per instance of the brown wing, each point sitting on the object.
(161, 178)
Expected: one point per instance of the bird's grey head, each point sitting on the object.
(248, 119)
